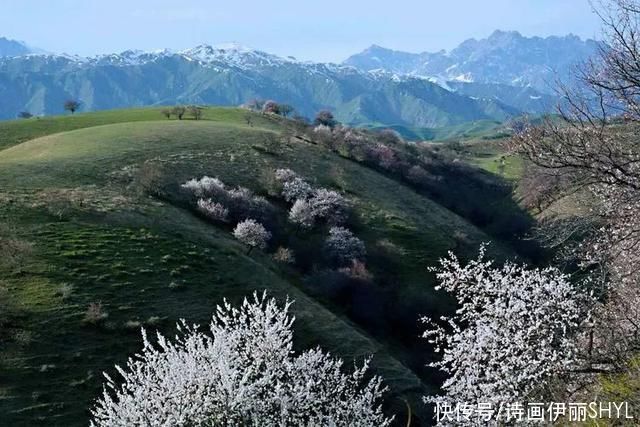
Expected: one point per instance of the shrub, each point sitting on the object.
(149, 178)
(285, 175)
(95, 313)
(14, 252)
(357, 270)
(343, 247)
(284, 255)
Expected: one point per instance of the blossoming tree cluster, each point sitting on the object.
(242, 371)
(240, 205)
(312, 206)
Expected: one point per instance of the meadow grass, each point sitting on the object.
(68, 185)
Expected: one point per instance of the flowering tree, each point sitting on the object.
(204, 187)
(293, 186)
(329, 205)
(343, 247)
(252, 233)
(295, 189)
(590, 162)
(271, 107)
(243, 372)
(213, 210)
(215, 199)
(302, 214)
(312, 204)
(515, 328)
(284, 175)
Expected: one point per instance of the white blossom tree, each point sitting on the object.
(515, 328)
(213, 210)
(296, 189)
(252, 233)
(242, 372)
(223, 203)
(343, 247)
(313, 204)
(283, 175)
(204, 187)
(329, 205)
(302, 214)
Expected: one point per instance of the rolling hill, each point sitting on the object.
(73, 191)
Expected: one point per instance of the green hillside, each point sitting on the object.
(473, 129)
(74, 187)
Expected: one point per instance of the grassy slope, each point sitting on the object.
(493, 157)
(115, 246)
(17, 131)
(475, 129)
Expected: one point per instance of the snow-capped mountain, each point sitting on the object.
(14, 48)
(473, 82)
(504, 58)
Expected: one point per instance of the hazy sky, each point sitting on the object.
(322, 30)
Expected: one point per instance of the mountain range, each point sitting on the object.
(504, 58)
(496, 78)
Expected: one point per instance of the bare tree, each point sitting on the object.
(195, 111)
(72, 105)
(179, 111)
(166, 112)
(583, 172)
